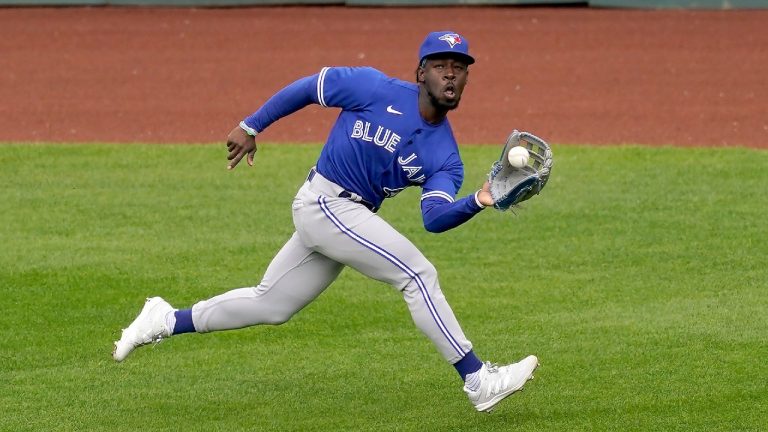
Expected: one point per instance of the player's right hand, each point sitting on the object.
(239, 144)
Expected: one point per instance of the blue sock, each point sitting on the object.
(469, 364)
(183, 322)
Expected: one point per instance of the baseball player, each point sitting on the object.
(389, 135)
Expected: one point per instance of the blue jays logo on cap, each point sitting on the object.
(451, 38)
(445, 42)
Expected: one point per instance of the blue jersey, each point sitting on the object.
(380, 144)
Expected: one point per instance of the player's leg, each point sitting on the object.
(295, 277)
(369, 244)
(349, 233)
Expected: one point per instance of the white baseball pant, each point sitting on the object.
(333, 232)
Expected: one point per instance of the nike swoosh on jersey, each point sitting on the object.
(393, 111)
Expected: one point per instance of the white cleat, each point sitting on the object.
(498, 382)
(147, 328)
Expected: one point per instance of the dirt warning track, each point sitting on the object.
(572, 75)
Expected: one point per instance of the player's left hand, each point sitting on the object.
(511, 185)
(239, 144)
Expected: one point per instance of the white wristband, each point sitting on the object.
(249, 130)
(477, 201)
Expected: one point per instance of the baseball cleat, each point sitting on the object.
(498, 382)
(148, 327)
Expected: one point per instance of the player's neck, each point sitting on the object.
(429, 112)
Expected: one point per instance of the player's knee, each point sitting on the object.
(422, 277)
(429, 272)
(278, 317)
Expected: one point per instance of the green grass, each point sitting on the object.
(638, 277)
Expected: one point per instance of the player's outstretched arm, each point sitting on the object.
(239, 144)
(440, 215)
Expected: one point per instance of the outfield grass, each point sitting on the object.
(638, 277)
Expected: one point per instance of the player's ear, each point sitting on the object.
(419, 74)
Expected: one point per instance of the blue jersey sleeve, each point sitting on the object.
(438, 209)
(285, 102)
(349, 88)
(440, 215)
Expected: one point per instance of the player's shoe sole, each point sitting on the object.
(498, 383)
(148, 327)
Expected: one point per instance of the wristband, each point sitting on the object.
(477, 201)
(249, 130)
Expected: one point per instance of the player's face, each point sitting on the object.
(444, 80)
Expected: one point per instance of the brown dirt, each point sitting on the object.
(572, 75)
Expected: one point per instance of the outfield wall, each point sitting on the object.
(643, 4)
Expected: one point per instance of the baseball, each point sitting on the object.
(518, 156)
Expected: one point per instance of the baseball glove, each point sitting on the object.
(511, 186)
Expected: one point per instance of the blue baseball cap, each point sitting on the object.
(445, 42)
